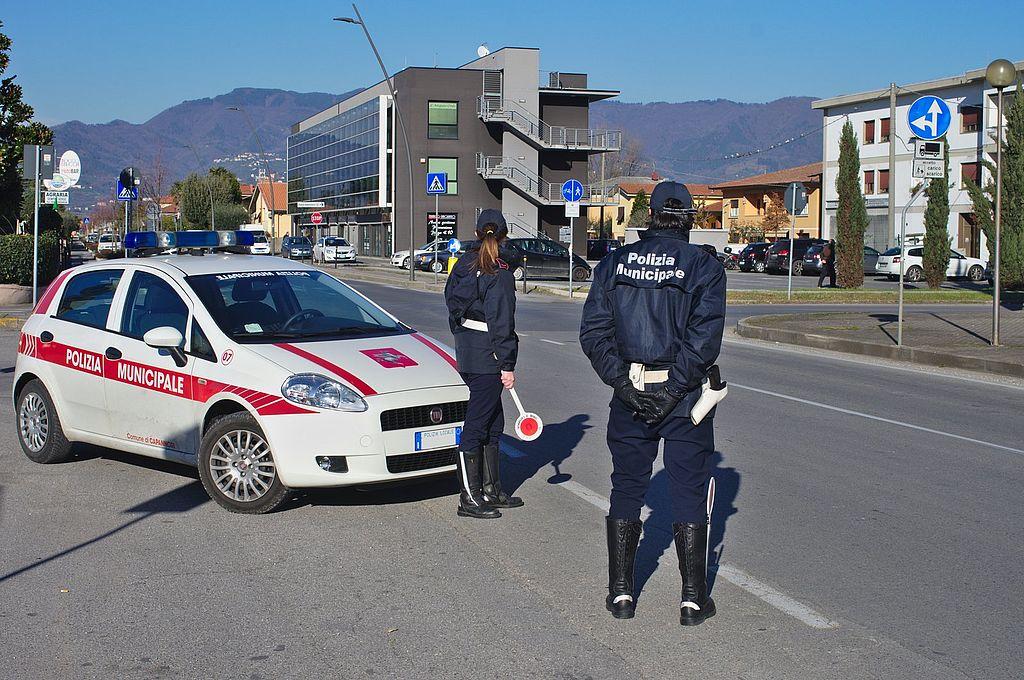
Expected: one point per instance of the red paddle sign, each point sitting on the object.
(529, 426)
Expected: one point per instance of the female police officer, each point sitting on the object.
(481, 300)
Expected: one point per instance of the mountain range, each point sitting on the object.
(690, 141)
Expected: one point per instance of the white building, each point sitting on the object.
(971, 138)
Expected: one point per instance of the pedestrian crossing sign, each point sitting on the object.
(437, 183)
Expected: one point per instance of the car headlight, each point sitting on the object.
(310, 389)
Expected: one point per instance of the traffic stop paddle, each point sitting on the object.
(528, 425)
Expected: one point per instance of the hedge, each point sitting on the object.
(16, 258)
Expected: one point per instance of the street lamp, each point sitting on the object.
(209, 188)
(1000, 73)
(270, 179)
(398, 114)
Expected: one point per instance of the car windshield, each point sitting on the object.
(814, 250)
(270, 306)
(891, 252)
(108, 238)
(260, 238)
(336, 242)
(77, 245)
(301, 242)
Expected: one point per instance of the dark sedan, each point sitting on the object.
(296, 247)
(777, 257)
(751, 258)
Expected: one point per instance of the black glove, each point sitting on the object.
(629, 395)
(658, 404)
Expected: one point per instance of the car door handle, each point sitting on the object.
(46, 336)
(112, 353)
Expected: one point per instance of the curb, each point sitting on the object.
(748, 329)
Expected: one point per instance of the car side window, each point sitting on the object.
(200, 345)
(152, 303)
(915, 252)
(88, 296)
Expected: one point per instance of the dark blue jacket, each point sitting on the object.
(490, 298)
(659, 302)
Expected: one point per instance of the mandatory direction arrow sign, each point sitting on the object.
(929, 117)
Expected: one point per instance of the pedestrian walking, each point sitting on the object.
(481, 299)
(652, 328)
(828, 265)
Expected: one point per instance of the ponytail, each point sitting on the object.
(491, 234)
(487, 261)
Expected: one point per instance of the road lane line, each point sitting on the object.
(880, 419)
(551, 342)
(764, 592)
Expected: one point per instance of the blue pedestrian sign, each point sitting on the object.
(127, 193)
(929, 117)
(437, 183)
(572, 191)
(454, 245)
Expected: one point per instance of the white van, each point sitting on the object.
(261, 245)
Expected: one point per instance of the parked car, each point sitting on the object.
(960, 266)
(296, 247)
(333, 249)
(401, 257)
(80, 252)
(812, 259)
(260, 245)
(597, 248)
(434, 262)
(545, 259)
(777, 257)
(108, 245)
(751, 258)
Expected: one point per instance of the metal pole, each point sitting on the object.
(405, 137)
(792, 233)
(437, 228)
(999, 210)
(572, 221)
(903, 255)
(892, 159)
(35, 236)
(270, 179)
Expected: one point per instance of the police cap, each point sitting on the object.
(665, 192)
(498, 227)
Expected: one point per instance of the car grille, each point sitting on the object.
(424, 460)
(419, 416)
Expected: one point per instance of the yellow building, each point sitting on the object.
(269, 207)
(745, 201)
(626, 190)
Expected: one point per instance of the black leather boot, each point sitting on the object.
(623, 539)
(471, 496)
(493, 495)
(692, 549)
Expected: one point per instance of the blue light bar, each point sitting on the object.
(188, 239)
(244, 238)
(140, 239)
(196, 239)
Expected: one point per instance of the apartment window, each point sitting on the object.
(449, 166)
(869, 182)
(734, 207)
(869, 132)
(622, 215)
(883, 181)
(884, 125)
(969, 171)
(442, 120)
(970, 118)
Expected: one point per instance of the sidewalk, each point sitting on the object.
(954, 339)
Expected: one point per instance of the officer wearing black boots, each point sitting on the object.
(652, 328)
(481, 299)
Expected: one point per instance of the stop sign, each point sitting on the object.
(316, 218)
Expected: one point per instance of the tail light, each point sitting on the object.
(783, 252)
(896, 259)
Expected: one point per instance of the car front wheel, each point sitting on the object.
(975, 273)
(39, 431)
(437, 267)
(237, 467)
(580, 274)
(759, 267)
(913, 274)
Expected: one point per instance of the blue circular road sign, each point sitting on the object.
(454, 246)
(572, 190)
(929, 117)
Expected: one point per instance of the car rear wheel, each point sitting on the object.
(237, 467)
(975, 273)
(913, 274)
(39, 431)
(580, 274)
(759, 267)
(437, 266)
(798, 268)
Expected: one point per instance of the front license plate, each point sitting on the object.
(438, 439)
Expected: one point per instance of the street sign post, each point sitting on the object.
(929, 160)
(37, 167)
(572, 192)
(127, 193)
(316, 218)
(310, 204)
(437, 184)
(56, 197)
(795, 201)
(929, 117)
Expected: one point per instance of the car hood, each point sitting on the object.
(393, 363)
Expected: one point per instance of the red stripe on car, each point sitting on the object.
(333, 368)
(437, 350)
(51, 291)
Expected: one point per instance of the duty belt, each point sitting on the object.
(642, 375)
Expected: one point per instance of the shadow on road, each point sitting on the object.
(392, 493)
(554, 446)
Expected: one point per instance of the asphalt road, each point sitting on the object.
(866, 525)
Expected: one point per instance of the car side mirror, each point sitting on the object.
(169, 339)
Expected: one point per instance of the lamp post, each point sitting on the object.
(270, 179)
(405, 137)
(1000, 73)
(199, 164)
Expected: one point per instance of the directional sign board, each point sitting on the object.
(437, 183)
(127, 193)
(929, 117)
(572, 190)
(311, 204)
(58, 197)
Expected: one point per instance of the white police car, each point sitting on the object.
(266, 374)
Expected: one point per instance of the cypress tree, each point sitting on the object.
(851, 213)
(641, 210)
(936, 229)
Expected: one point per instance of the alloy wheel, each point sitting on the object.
(241, 465)
(33, 422)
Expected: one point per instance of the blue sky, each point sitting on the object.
(94, 61)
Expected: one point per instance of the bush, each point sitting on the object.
(16, 258)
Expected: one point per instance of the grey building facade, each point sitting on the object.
(506, 138)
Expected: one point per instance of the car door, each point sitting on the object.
(73, 340)
(153, 387)
(957, 264)
(555, 263)
(870, 260)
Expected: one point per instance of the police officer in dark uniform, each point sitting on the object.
(481, 299)
(652, 328)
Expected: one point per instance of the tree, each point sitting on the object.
(641, 210)
(746, 233)
(230, 216)
(851, 213)
(193, 196)
(776, 218)
(1011, 246)
(704, 219)
(49, 219)
(16, 130)
(226, 188)
(936, 229)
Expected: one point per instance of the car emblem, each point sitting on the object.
(227, 356)
(436, 415)
(389, 357)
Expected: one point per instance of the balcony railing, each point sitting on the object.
(535, 187)
(491, 109)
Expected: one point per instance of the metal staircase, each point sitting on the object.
(533, 186)
(491, 109)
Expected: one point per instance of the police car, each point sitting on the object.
(266, 374)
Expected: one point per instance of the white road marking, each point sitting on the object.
(890, 421)
(764, 592)
(551, 342)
